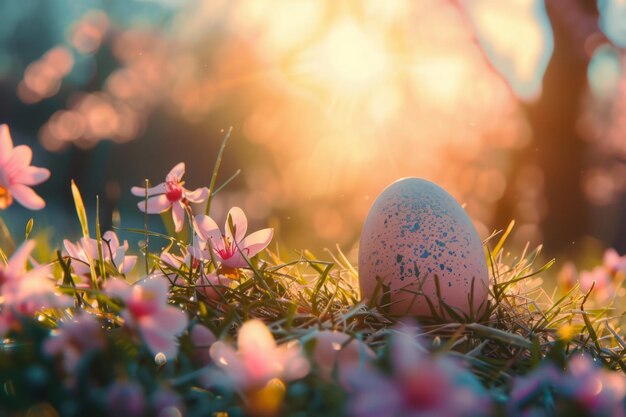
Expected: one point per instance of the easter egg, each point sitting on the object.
(422, 247)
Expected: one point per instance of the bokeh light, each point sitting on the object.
(330, 101)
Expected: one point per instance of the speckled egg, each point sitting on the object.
(415, 232)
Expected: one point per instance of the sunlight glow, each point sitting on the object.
(350, 58)
(441, 78)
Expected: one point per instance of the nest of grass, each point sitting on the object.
(522, 324)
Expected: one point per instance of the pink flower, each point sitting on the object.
(148, 312)
(567, 276)
(533, 385)
(201, 339)
(339, 351)
(73, 338)
(229, 246)
(212, 286)
(26, 292)
(598, 390)
(172, 264)
(113, 254)
(17, 175)
(258, 359)
(585, 387)
(420, 385)
(604, 289)
(171, 193)
(613, 262)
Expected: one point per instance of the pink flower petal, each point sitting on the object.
(178, 171)
(156, 288)
(27, 197)
(141, 191)
(212, 286)
(240, 223)
(198, 196)
(21, 157)
(178, 214)
(255, 339)
(202, 337)
(225, 357)
(207, 229)
(117, 256)
(17, 263)
(157, 204)
(6, 143)
(72, 249)
(406, 352)
(337, 350)
(118, 288)
(256, 242)
(32, 175)
(170, 259)
(235, 261)
(160, 330)
(171, 320)
(110, 240)
(91, 246)
(158, 342)
(128, 264)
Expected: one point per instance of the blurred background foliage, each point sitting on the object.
(517, 107)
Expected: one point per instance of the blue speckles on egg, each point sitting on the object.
(415, 231)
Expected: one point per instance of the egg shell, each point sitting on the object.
(414, 232)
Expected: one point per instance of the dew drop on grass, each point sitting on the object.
(160, 359)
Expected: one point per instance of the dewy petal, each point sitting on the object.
(31, 175)
(141, 191)
(197, 196)
(27, 197)
(17, 262)
(178, 214)
(207, 229)
(240, 223)
(178, 171)
(6, 143)
(256, 242)
(156, 204)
